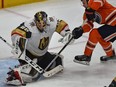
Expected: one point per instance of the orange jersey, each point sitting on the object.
(105, 13)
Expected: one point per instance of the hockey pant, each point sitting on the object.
(95, 36)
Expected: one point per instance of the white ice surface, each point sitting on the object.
(74, 75)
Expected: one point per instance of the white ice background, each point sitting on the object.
(74, 75)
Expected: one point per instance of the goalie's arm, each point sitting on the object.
(63, 29)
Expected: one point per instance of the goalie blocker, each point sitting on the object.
(26, 72)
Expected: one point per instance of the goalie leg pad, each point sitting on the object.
(29, 74)
(21, 74)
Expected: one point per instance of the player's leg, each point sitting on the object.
(108, 34)
(91, 43)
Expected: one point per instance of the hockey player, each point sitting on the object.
(103, 13)
(31, 40)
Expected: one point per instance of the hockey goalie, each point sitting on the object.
(30, 41)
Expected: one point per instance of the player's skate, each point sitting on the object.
(14, 78)
(82, 59)
(106, 58)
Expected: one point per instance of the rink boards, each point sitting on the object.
(10, 3)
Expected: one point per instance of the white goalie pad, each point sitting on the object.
(25, 68)
(15, 40)
(14, 83)
(52, 72)
(18, 50)
(24, 73)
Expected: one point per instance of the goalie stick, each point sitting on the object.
(6, 42)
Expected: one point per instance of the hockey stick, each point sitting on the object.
(6, 42)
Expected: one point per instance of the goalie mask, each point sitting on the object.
(41, 20)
